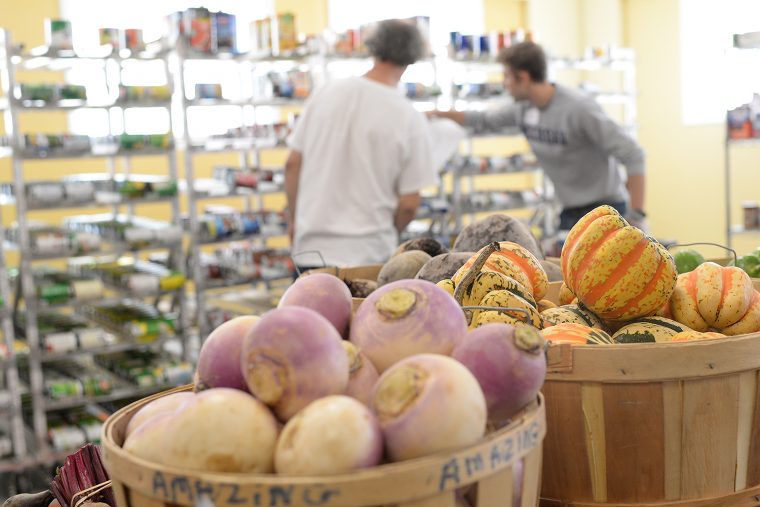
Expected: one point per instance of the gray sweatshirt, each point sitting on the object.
(576, 143)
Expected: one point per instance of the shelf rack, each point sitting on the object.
(36, 358)
(746, 42)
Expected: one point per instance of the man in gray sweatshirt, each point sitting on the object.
(575, 142)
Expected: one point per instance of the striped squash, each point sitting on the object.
(516, 262)
(614, 269)
(716, 297)
(575, 334)
(690, 336)
(571, 314)
(566, 296)
(649, 330)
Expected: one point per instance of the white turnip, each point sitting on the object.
(164, 404)
(292, 357)
(405, 318)
(428, 403)
(220, 430)
(332, 435)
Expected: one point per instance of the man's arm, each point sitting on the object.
(637, 190)
(457, 116)
(406, 210)
(292, 176)
(480, 121)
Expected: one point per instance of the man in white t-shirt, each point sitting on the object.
(360, 154)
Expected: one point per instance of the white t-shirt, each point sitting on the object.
(363, 145)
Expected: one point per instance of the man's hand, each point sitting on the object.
(457, 116)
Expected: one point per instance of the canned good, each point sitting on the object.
(134, 39)
(66, 438)
(55, 292)
(58, 389)
(79, 191)
(45, 193)
(208, 91)
(87, 290)
(60, 342)
(112, 36)
(172, 282)
(225, 31)
(91, 337)
(142, 284)
(751, 215)
(58, 34)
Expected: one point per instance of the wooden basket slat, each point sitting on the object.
(428, 481)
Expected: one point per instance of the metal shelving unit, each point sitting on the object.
(39, 404)
(248, 150)
(733, 229)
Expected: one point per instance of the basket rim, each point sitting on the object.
(531, 417)
(641, 362)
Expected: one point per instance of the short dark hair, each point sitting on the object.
(527, 56)
(396, 41)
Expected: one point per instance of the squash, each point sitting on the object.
(716, 297)
(506, 299)
(614, 269)
(571, 314)
(649, 330)
(688, 336)
(566, 296)
(514, 261)
(576, 334)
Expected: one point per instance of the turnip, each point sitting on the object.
(509, 364)
(332, 435)
(148, 440)
(220, 430)
(428, 403)
(326, 294)
(292, 357)
(219, 358)
(405, 318)
(164, 404)
(362, 374)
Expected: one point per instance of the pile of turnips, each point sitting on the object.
(307, 390)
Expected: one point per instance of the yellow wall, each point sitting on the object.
(504, 15)
(311, 15)
(685, 163)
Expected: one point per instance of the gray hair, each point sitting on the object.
(396, 41)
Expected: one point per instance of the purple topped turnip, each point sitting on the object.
(326, 294)
(292, 357)
(219, 358)
(509, 364)
(405, 318)
(362, 374)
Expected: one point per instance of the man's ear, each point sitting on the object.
(523, 76)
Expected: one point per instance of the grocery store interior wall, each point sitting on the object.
(685, 163)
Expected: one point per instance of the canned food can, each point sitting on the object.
(142, 284)
(55, 292)
(45, 193)
(60, 342)
(112, 36)
(134, 39)
(87, 290)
